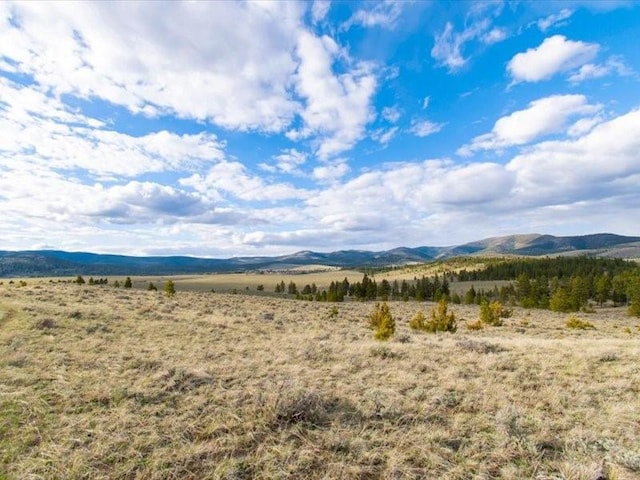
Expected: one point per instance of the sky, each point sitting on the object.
(221, 129)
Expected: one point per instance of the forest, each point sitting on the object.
(564, 284)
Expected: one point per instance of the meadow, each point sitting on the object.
(102, 383)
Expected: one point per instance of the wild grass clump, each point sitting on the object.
(578, 324)
(381, 322)
(300, 406)
(441, 319)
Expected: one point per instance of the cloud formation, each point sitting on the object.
(544, 116)
(554, 55)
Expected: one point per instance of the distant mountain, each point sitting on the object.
(58, 263)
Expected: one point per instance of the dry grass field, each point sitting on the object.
(105, 383)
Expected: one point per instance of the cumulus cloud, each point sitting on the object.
(233, 179)
(555, 54)
(337, 107)
(542, 117)
(164, 60)
(598, 165)
(331, 172)
(167, 62)
(41, 131)
(289, 161)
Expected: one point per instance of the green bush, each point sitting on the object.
(492, 313)
(381, 322)
(441, 320)
(418, 321)
(576, 323)
(169, 288)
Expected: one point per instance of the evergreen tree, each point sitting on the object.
(169, 288)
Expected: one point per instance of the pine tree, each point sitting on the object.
(169, 288)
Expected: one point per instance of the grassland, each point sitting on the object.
(98, 382)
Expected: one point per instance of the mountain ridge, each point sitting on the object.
(60, 263)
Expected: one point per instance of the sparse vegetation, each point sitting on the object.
(108, 383)
(576, 323)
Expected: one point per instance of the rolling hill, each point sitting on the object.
(59, 263)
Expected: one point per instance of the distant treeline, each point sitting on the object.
(420, 289)
(562, 284)
(556, 267)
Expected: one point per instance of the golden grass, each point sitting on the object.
(97, 382)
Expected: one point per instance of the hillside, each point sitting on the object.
(59, 263)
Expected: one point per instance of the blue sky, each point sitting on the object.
(249, 128)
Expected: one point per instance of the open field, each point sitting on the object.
(97, 382)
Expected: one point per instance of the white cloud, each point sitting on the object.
(554, 19)
(233, 180)
(391, 114)
(384, 136)
(288, 161)
(320, 9)
(332, 172)
(424, 128)
(592, 167)
(448, 46)
(425, 102)
(495, 35)
(167, 62)
(590, 70)
(555, 54)
(384, 14)
(337, 107)
(140, 56)
(584, 125)
(41, 132)
(542, 117)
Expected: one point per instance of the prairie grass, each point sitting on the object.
(102, 383)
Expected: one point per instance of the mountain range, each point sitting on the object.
(58, 263)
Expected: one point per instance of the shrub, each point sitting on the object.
(418, 321)
(441, 320)
(492, 313)
(576, 323)
(477, 325)
(128, 283)
(381, 322)
(152, 287)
